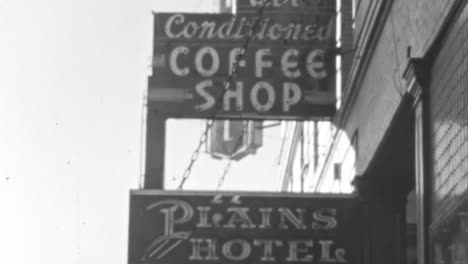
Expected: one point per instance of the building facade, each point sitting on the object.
(404, 114)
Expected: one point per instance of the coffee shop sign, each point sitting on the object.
(178, 213)
(271, 75)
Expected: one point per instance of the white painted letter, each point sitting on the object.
(270, 94)
(325, 218)
(296, 221)
(190, 30)
(266, 216)
(315, 64)
(156, 247)
(294, 251)
(279, 3)
(268, 248)
(233, 58)
(177, 19)
(260, 63)
(210, 249)
(286, 65)
(255, 3)
(291, 95)
(239, 215)
(214, 61)
(173, 61)
(245, 253)
(295, 3)
(325, 255)
(209, 99)
(203, 211)
(340, 255)
(169, 213)
(237, 95)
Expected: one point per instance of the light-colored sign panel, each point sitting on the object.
(234, 139)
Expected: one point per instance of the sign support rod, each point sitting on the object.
(155, 149)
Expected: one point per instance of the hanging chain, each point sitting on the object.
(227, 84)
(227, 167)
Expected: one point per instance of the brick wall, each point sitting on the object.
(414, 24)
(449, 119)
(418, 21)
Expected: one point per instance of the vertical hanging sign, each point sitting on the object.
(287, 6)
(234, 139)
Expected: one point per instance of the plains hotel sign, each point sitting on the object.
(195, 228)
(288, 70)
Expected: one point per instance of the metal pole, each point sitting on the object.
(155, 149)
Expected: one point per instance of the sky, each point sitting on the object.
(73, 74)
